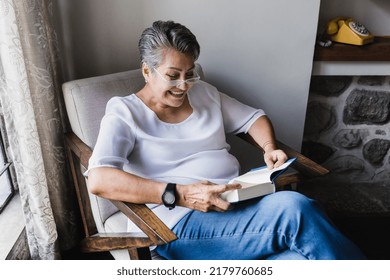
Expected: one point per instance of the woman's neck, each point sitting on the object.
(164, 112)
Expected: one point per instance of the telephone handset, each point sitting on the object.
(348, 31)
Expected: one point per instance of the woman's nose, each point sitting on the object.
(182, 86)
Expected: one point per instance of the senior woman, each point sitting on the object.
(165, 146)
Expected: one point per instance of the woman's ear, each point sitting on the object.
(145, 72)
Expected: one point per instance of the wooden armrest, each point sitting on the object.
(155, 232)
(102, 242)
(303, 164)
(147, 221)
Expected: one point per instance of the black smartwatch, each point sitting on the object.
(169, 196)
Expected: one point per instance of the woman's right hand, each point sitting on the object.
(204, 196)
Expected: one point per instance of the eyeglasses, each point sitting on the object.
(176, 83)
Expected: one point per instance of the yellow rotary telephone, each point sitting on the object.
(348, 31)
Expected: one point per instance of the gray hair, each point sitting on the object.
(166, 35)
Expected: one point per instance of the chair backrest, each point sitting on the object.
(85, 101)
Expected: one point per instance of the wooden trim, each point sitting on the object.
(79, 148)
(75, 151)
(289, 179)
(379, 50)
(102, 242)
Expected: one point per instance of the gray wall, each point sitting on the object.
(259, 51)
(98, 36)
(374, 14)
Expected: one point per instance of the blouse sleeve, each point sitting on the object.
(116, 137)
(238, 117)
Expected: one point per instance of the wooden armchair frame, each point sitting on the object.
(156, 232)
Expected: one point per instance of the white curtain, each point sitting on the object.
(31, 101)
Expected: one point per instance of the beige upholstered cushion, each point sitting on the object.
(86, 100)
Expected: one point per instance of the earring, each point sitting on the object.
(146, 81)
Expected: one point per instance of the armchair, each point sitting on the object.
(105, 221)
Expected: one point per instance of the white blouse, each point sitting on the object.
(132, 138)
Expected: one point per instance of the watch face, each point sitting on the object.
(169, 198)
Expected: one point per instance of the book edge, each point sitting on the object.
(240, 194)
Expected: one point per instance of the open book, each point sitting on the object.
(257, 182)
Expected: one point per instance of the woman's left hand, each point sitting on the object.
(275, 158)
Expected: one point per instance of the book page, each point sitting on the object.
(244, 184)
(259, 175)
(254, 177)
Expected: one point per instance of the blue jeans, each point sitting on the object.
(285, 223)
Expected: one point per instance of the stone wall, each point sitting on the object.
(347, 130)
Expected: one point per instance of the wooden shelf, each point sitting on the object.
(379, 50)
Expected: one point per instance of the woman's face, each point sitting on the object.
(175, 66)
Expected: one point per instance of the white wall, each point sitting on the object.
(259, 51)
